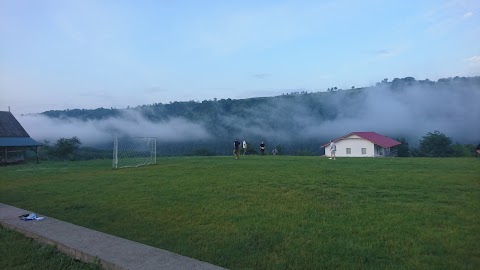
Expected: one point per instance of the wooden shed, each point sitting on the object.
(14, 140)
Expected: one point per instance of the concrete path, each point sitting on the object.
(89, 245)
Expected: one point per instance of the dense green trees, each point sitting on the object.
(463, 150)
(403, 150)
(436, 144)
(64, 149)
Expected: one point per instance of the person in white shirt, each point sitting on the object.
(244, 147)
(333, 149)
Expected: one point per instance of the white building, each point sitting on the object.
(362, 144)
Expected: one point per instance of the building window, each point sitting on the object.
(349, 151)
(364, 151)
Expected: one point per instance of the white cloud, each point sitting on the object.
(472, 67)
(474, 60)
(383, 52)
(261, 75)
(447, 16)
(388, 52)
(468, 15)
(391, 52)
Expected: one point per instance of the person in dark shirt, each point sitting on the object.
(262, 147)
(236, 145)
(478, 150)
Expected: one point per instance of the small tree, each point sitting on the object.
(65, 148)
(403, 150)
(436, 144)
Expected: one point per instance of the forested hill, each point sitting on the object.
(299, 122)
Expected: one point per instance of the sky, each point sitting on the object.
(57, 55)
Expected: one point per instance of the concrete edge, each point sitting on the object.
(68, 250)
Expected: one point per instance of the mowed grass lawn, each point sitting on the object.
(271, 212)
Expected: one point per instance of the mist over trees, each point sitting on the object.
(297, 122)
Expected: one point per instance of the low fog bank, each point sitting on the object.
(297, 121)
(410, 112)
(101, 132)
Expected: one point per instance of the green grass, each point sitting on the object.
(20, 252)
(270, 212)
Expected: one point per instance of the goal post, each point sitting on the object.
(134, 151)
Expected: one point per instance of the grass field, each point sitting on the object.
(272, 212)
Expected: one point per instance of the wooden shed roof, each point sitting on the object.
(12, 134)
(10, 127)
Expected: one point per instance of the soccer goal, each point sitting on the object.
(134, 151)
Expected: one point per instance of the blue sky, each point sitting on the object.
(100, 53)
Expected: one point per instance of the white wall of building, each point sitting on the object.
(355, 144)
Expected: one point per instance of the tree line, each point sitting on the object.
(433, 144)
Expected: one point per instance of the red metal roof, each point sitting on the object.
(374, 137)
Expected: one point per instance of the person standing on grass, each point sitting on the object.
(262, 147)
(478, 150)
(236, 145)
(244, 147)
(333, 149)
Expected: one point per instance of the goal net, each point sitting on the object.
(134, 151)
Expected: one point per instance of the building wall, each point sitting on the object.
(355, 144)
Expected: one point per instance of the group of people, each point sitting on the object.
(236, 148)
